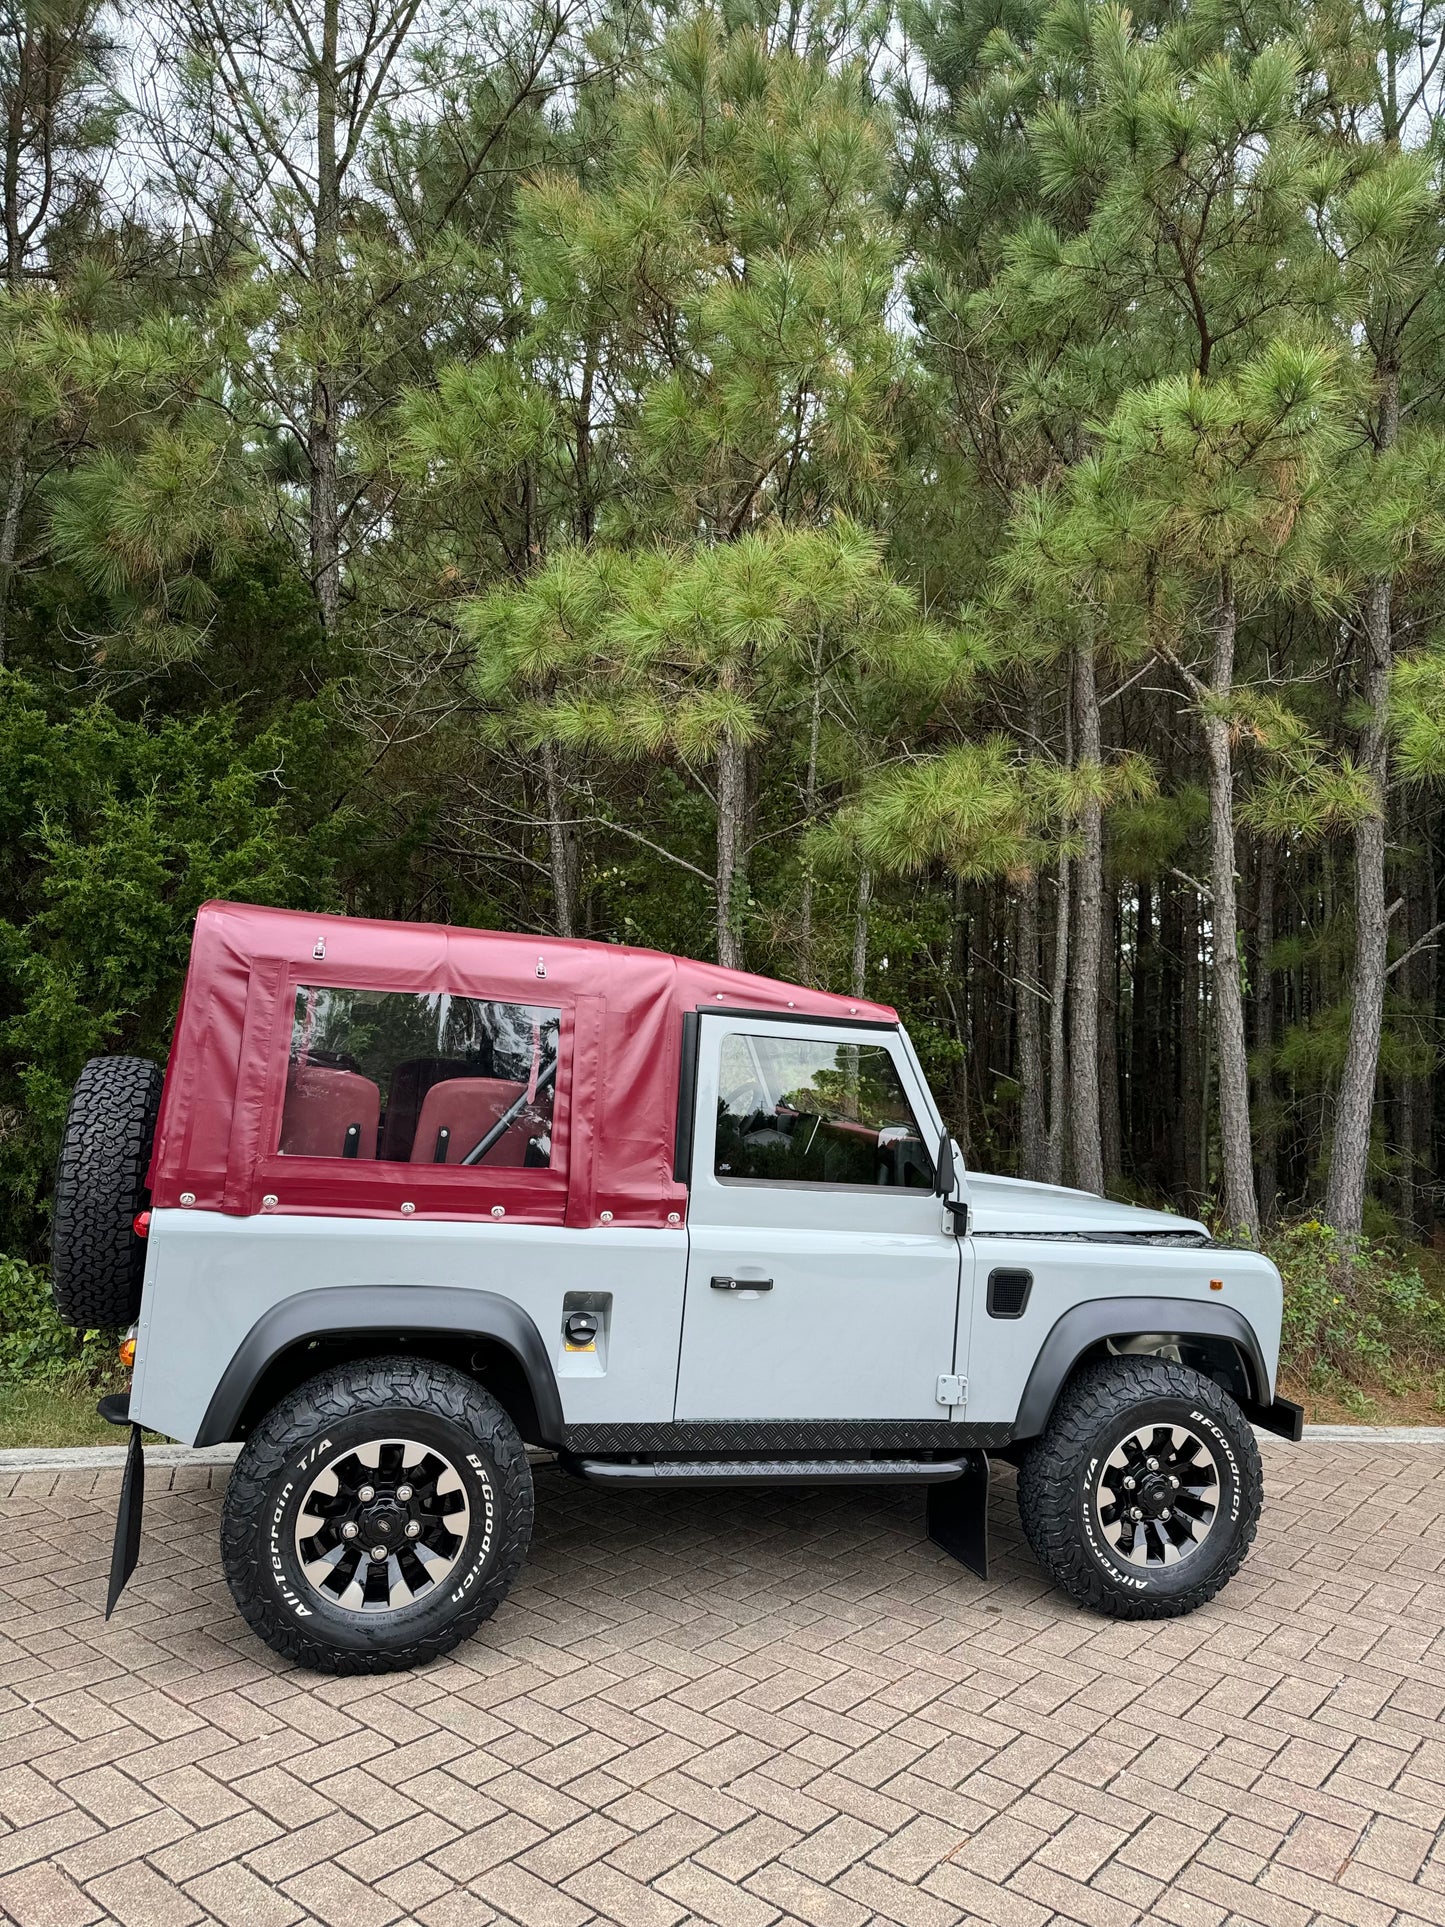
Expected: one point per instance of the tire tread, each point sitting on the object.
(300, 1418)
(98, 1262)
(1050, 1475)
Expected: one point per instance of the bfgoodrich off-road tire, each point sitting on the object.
(387, 1456)
(1142, 1497)
(97, 1260)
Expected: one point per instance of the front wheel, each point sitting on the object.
(1143, 1495)
(376, 1516)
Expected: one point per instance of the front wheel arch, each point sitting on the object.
(1212, 1338)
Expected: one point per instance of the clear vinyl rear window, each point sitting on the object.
(420, 1078)
(800, 1111)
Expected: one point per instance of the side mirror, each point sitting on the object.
(945, 1176)
(946, 1182)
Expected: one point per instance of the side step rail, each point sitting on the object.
(770, 1471)
(957, 1487)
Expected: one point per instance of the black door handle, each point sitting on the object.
(742, 1284)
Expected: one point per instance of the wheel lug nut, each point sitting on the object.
(1166, 1514)
(367, 1494)
(378, 1553)
(1135, 1513)
(350, 1529)
(1174, 1482)
(1153, 1464)
(1128, 1485)
(403, 1492)
(413, 1530)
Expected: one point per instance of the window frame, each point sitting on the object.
(340, 1186)
(913, 1087)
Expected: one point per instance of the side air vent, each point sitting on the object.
(1008, 1293)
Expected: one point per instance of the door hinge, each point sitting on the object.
(952, 1390)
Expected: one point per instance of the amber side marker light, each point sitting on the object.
(1216, 1284)
(126, 1351)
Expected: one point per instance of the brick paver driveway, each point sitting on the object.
(741, 1709)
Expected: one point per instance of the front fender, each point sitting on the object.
(1085, 1326)
(383, 1309)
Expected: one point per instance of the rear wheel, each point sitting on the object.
(376, 1516)
(1142, 1497)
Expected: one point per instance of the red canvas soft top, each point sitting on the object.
(620, 1058)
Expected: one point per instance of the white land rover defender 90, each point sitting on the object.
(408, 1199)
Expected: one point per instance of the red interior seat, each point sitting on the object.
(466, 1108)
(329, 1113)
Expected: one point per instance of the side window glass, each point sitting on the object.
(419, 1078)
(803, 1112)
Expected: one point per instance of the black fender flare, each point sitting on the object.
(1082, 1327)
(350, 1309)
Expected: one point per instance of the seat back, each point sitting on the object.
(406, 1089)
(329, 1113)
(465, 1109)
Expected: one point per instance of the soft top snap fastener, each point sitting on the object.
(407, 1209)
(270, 1201)
(188, 1197)
(674, 1217)
(499, 1211)
(606, 1217)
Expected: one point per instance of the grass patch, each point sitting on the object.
(57, 1411)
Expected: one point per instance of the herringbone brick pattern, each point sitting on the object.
(741, 1710)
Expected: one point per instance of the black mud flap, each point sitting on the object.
(958, 1516)
(127, 1520)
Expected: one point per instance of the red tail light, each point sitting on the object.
(141, 1224)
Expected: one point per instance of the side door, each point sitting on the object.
(823, 1279)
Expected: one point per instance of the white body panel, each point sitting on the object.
(1018, 1204)
(209, 1277)
(862, 1316)
(1069, 1272)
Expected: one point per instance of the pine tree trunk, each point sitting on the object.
(10, 532)
(732, 807)
(1058, 1063)
(1143, 1062)
(860, 933)
(1033, 1128)
(321, 448)
(1355, 1100)
(1111, 1123)
(1190, 1136)
(1236, 1151)
(810, 815)
(562, 844)
(1087, 945)
(1266, 1128)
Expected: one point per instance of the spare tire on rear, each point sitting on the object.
(97, 1260)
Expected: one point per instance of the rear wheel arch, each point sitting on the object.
(489, 1338)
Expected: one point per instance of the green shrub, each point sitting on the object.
(34, 1343)
(1355, 1313)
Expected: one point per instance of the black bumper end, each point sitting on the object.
(115, 1408)
(1284, 1418)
